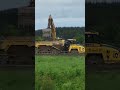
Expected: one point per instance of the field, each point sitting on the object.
(59, 73)
(14, 78)
(103, 80)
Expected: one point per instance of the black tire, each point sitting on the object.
(75, 52)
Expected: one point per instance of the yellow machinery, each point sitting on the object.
(56, 45)
(75, 48)
(17, 50)
(16, 41)
(50, 46)
(96, 52)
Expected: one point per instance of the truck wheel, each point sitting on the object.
(74, 52)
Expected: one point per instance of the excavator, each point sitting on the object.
(16, 50)
(57, 45)
(99, 53)
(52, 46)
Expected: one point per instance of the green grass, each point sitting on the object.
(16, 79)
(103, 80)
(59, 73)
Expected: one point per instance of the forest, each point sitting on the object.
(67, 33)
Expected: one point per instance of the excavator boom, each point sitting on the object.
(52, 27)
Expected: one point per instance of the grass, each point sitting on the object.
(103, 80)
(59, 73)
(16, 79)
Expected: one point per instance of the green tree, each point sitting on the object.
(38, 38)
(80, 38)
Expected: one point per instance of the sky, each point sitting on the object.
(66, 13)
(99, 1)
(8, 4)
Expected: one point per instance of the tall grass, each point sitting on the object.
(16, 79)
(59, 73)
(108, 80)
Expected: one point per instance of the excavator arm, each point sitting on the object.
(52, 27)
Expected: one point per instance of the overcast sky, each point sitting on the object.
(8, 4)
(99, 1)
(64, 13)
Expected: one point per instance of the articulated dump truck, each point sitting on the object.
(17, 50)
(99, 53)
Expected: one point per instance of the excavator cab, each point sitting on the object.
(72, 45)
(72, 41)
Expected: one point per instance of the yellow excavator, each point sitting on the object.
(50, 46)
(97, 52)
(56, 45)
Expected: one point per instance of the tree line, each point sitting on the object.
(66, 33)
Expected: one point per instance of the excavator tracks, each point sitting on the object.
(55, 52)
(17, 55)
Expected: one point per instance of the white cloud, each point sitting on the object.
(59, 9)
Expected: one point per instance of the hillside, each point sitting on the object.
(67, 32)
